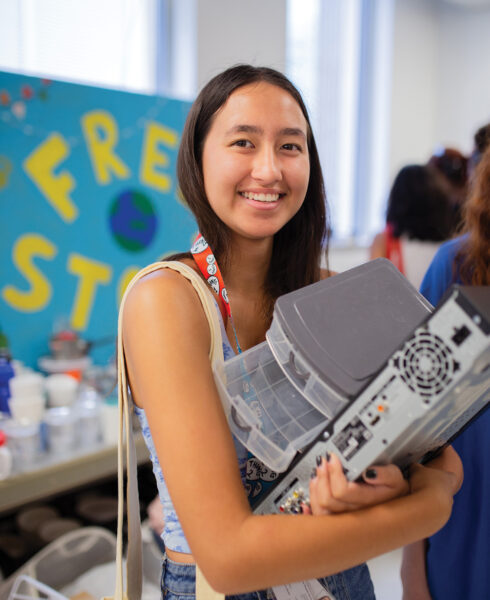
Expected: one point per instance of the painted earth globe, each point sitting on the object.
(133, 220)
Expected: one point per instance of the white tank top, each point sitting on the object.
(417, 256)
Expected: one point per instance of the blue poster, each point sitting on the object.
(88, 195)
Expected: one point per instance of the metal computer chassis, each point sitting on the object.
(428, 391)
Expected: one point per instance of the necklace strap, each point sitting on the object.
(207, 264)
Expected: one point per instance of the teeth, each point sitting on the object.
(261, 197)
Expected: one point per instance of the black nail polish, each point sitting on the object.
(313, 474)
(371, 473)
(327, 456)
(318, 460)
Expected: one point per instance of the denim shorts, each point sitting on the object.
(178, 582)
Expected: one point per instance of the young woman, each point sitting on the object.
(249, 170)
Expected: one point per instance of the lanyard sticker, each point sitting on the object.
(303, 590)
(206, 262)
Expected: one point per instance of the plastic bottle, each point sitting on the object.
(6, 373)
(5, 457)
(4, 345)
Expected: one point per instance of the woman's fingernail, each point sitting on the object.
(371, 473)
(313, 474)
(327, 456)
(318, 460)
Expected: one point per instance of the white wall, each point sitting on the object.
(341, 258)
(441, 77)
(414, 91)
(234, 31)
(464, 74)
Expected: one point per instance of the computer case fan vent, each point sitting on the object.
(426, 364)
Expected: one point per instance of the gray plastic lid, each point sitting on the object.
(347, 326)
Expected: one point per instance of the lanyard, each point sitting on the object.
(206, 261)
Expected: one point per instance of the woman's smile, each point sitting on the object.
(264, 200)
(267, 197)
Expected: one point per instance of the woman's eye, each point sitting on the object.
(243, 144)
(292, 147)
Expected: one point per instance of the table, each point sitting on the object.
(52, 477)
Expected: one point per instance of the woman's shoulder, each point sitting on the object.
(160, 290)
(159, 278)
(445, 256)
(326, 273)
(442, 270)
(449, 248)
(378, 246)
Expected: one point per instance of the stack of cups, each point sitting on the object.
(27, 401)
(88, 411)
(27, 406)
(60, 418)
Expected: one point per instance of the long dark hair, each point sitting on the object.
(473, 259)
(298, 246)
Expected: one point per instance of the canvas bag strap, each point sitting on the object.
(134, 562)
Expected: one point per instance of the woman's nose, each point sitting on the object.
(266, 166)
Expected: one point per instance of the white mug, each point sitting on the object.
(61, 389)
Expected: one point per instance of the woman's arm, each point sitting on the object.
(413, 572)
(166, 340)
(378, 246)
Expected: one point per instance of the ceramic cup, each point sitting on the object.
(28, 408)
(61, 389)
(27, 383)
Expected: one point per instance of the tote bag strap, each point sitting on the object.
(134, 576)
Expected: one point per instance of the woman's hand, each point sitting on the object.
(331, 492)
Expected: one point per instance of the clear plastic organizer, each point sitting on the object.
(265, 411)
(323, 397)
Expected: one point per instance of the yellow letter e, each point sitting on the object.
(153, 157)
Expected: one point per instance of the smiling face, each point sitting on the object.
(255, 160)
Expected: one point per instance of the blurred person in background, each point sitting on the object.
(455, 562)
(453, 166)
(156, 521)
(481, 141)
(419, 217)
